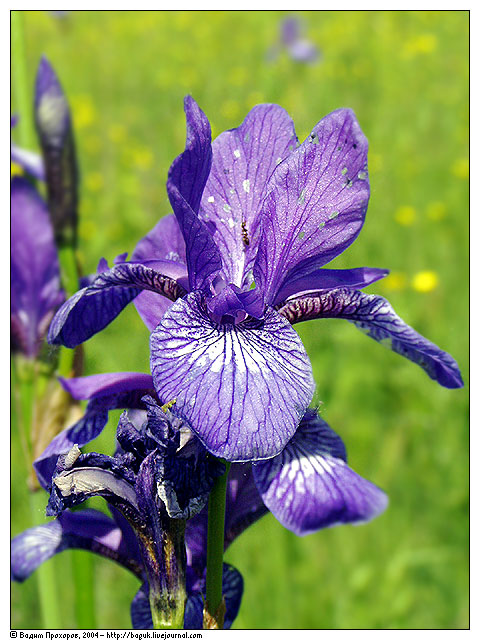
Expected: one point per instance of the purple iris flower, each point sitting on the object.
(35, 273)
(256, 219)
(159, 477)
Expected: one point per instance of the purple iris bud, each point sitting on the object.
(35, 274)
(260, 216)
(54, 127)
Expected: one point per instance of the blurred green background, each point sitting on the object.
(406, 76)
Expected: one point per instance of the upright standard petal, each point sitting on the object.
(35, 272)
(316, 202)
(164, 242)
(241, 388)
(309, 486)
(243, 161)
(186, 181)
(93, 308)
(86, 529)
(374, 316)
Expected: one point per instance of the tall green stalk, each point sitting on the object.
(20, 82)
(214, 611)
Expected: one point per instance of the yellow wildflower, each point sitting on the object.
(425, 281)
(117, 132)
(142, 157)
(83, 111)
(15, 169)
(421, 44)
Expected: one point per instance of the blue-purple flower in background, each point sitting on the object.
(299, 48)
(35, 273)
(39, 227)
(256, 219)
(29, 161)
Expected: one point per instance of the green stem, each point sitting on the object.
(69, 269)
(26, 133)
(167, 576)
(214, 612)
(45, 574)
(83, 572)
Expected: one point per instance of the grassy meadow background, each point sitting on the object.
(405, 74)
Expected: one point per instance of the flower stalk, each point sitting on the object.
(167, 576)
(19, 81)
(214, 611)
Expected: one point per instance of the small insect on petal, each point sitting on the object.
(246, 239)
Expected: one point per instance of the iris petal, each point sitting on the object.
(87, 529)
(30, 161)
(309, 486)
(375, 316)
(232, 589)
(243, 161)
(105, 392)
(35, 271)
(324, 279)
(186, 181)
(163, 242)
(242, 388)
(93, 308)
(316, 202)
